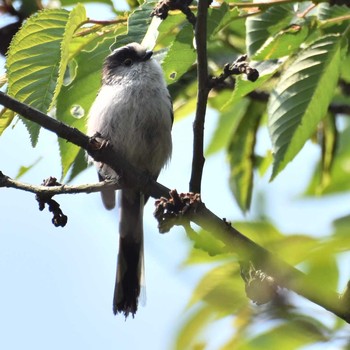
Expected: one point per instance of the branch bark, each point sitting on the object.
(8, 182)
(202, 97)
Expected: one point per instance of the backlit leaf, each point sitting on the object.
(37, 59)
(301, 98)
(267, 24)
(241, 154)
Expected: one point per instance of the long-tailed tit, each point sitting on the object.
(133, 111)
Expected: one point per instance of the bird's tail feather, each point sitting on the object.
(130, 256)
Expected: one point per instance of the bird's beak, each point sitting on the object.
(147, 55)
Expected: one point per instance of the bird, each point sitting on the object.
(133, 111)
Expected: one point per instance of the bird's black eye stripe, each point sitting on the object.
(126, 56)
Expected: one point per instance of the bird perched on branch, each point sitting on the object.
(133, 111)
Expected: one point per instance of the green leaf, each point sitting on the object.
(345, 71)
(291, 335)
(328, 143)
(190, 332)
(208, 243)
(33, 61)
(325, 11)
(227, 121)
(76, 17)
(264, 163)
(301, 98)
(138, 23)
(284, 43)
(219, 18)
(322, 270)
(80, 163)
(262, 232)
(269, 23)
(24, 169)
(222, 288)
(293, 249)
(169, 29)
(241, 154)
(339, 174)
(73, 2)
(6, 117)
(180, 56)
(37, 59)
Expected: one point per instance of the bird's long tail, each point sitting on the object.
(130, 256)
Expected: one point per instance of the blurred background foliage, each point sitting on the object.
(302, 95)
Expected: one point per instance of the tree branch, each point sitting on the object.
(202, 97)
(6, 181)
(285, 275)
(189, 206)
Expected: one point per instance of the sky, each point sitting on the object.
(57, 283)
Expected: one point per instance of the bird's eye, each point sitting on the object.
(127, 62)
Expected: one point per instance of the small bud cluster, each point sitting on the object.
(171, 211)
(59, 219)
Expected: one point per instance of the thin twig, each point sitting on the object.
(202, 97)
(8, 182)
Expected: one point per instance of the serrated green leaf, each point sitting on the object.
(33, 62)
(219, 18)
(37, 59)
(180, 56)
(269, 23)
(138, 23)
(76, 17)
(241, 154)
(325, 11)
(284, 43)
(215, 16)
(301, 98)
